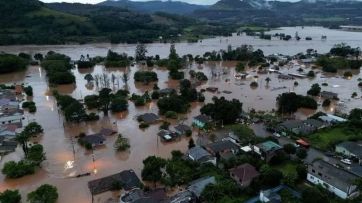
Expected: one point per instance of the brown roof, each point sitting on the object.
(244, 172)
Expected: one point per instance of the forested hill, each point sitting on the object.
(278, 13)
(174, 7)
(33, 22)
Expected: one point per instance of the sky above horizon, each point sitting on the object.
(201, 2)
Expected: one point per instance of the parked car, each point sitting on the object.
(346, 161)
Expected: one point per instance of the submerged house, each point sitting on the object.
(329, 95)
(182, 129)
(201, 121)
(336, 180)
(94, 140)
(128, 179)
(167, 135)
(139, 196)
(148, 118)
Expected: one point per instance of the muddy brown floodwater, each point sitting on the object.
(58, 138)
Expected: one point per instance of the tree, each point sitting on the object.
(36, 154)
(254, 84)
(105, 100)
(141, 52)
(313, 195)
(289, 102)
(33, 128)
(173, 103)
(152, 166)
(28, 91)
(10, 196)
(19, 169)
(10, 63)
(119, 104)
(91, 101)
(240, 67)
(191, 143)
(218, 108)
(311, 74)
(301, 153)
(315, 90)
(45, 194)
(216, 192)
(326, 103)
(88, 77)
(289, 148)
(301, 171)
(121, 143)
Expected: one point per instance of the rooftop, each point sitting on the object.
(353, 147)
(197, 153)
(203, 118)
(339, 178)
(127, 178)
(197, 186)
(222, 145)
(148, 117)
(245, 172)
(269, 146)
(93, 139)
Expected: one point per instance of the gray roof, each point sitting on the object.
(127, 178)
(148, 117)
(353, 147)
(139, 196)
(291, 124)
(222, 145)
(7, 148)
(107, 131)
(182, 128)
(93, 139)
(314, 122)
(197, 186)
(332, 175)
(198, 153)
(329, 94)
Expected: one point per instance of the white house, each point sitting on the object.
(11, 117)
(337, 181)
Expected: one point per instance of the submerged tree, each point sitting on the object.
(141, 52)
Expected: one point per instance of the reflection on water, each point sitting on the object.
(65, 158)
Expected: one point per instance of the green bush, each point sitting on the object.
(171, 114)
(19, 169)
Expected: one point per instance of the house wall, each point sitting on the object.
(315, 180)
(11, 119)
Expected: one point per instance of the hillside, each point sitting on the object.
(33, 22)
(277, 13)
(174, 7)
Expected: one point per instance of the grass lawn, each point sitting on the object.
(327, 138)
(286, 167)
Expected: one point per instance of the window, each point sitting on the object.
(320, 174)
(313, 170)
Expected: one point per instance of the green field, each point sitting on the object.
(326, 139)
(330, 19)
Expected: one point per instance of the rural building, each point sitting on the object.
(223, 148)
(243, 174)
(337, 181)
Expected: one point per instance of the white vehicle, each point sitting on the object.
(346, 161)
(276, 134)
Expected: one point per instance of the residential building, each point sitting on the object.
(139, 196)
(223, 148)
(244, 174)
(107, 132)
(182, 129)
(148, 118)
(329, 95)
(273, 195)
(350, 149)
(200, 155)
(335, 180)
(198, 186)
(201, 121)
(11, 116)
(128, 179)
(300, 127)
(267, 150)
(94, 139)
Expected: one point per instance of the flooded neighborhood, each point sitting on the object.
(71, 165)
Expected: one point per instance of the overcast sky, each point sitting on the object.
(205, 2)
